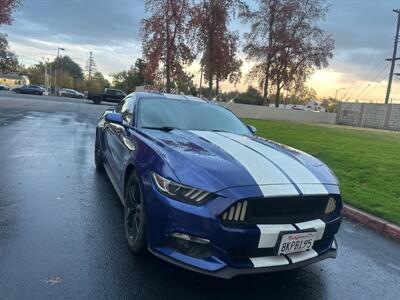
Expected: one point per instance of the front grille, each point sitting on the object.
(284, 210)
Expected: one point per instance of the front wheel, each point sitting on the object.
(134, 215)
(98, 155)
(96, 100)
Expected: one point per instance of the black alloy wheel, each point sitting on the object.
(135, 218)
(98, 156)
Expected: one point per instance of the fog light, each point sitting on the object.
(190, 238)
(331, 206)
(189, 245)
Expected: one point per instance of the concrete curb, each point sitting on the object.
(379, 225)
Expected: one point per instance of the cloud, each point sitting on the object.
(363, 31)
(108, 28)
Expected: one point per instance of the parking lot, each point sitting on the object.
(62, 232)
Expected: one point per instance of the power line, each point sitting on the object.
(372, 54)
(373, 80)
(371, 72)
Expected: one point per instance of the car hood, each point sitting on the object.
(214, 161)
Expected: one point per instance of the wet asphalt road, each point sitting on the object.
(62, 235)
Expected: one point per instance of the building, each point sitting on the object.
(13, 80)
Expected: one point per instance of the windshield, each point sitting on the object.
(188, 115)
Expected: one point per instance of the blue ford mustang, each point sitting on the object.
(201, 191)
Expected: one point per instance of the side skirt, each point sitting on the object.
(114, 183)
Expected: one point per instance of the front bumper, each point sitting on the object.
(232, 250)
(230, 272)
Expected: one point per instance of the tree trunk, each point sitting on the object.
(168, 55)
(210, 87)
(201, 82)
(266, 85)
(217, 86)
(278, 93)
(168, 78)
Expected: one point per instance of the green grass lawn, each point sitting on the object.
(367, 162)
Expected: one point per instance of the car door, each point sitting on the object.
(109, 95)
(119, 144)
(31, 89)
(119, 95)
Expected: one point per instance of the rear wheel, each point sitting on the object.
(98, 155)
(135, 218)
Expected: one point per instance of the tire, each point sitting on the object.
(96, 100)
(98, 155)
(134, 215)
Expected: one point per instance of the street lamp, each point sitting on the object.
(58, 51)
(337, 91)
(55, 71)
(46, 78)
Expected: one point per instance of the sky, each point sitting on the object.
(363, 31)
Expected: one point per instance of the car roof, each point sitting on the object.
(167, 96)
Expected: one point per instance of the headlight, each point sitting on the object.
(179, 191)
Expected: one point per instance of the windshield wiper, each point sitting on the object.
(162, 128)
(219, 130)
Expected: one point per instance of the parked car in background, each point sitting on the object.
(29, 89)
(45, 91)
(71, 93)
(111, 95)
(4, 88)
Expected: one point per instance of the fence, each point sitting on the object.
(380, 116)
(272, 113)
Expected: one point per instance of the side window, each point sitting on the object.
(128, 108)
(110, 92)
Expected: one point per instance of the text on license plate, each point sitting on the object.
(296, 242)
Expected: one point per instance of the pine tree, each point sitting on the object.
(91, 67)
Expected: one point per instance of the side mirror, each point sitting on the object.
(252, 128)
(115, 118)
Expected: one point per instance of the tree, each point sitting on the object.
(8, 59)
(65, 79)
(301, 95)
(286, 43)
(97, 84)
(218, 45)
(165, 40)
(66, 64)
(130, 79)
(90, 66)
(251, 96)
(35, 73)
(7, 7)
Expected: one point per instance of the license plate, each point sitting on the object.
(296, 242)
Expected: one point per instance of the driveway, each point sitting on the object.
(62, 233)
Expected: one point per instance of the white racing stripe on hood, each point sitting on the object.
(263, 171)
(297, 172)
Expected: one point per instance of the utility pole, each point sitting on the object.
(394, 57)
(55, 70)
(91, 66)
(46, 79)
